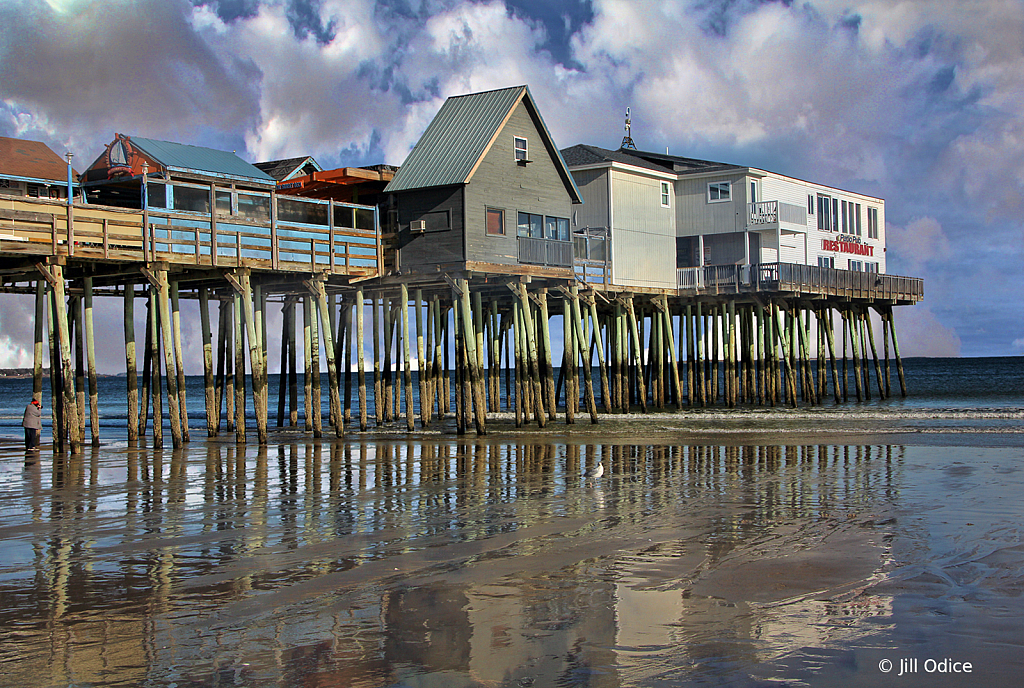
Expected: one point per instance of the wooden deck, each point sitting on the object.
(297, 235)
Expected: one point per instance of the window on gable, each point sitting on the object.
(666, 195)
(810, 205)
(495, 221)
(521, 148)
(719, 191)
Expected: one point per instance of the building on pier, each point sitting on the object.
(289, 168)
(688, 224)
(485, 190)
(31, 169)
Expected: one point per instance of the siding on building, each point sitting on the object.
(500, 182)
(593, 186)
(644, 233)
(695, 215)
(417, 251)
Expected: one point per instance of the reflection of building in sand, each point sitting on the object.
(441, 565)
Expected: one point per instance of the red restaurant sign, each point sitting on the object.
(847, 247)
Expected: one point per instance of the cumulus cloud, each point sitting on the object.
(916, 102)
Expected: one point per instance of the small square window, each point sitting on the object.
(522, 151)
(719, 191)
(666, 195)
(495, 221)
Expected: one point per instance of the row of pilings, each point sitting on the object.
(478, 351)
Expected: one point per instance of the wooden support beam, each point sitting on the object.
(378, 392)
(178, 359)
(239, 359)
(896, 351)
(421, 352)
(874, 354)
(72, 430)
(584, 356)
(569, 359)
(361, 358)
(410, 416)
(166, 327)
(637, 348)
(307, 350)
(829, 336)
(671, 344)
(90, 343)
(293, 377)
(472, 351)
(332, 372)
(531, 353)
(208, 382)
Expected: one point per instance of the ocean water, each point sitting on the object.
(974, 392)
(872, 544)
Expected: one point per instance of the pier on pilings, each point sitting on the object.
(480, 342)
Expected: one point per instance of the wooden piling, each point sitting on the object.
(584, 354)
(293, 381)
(90, 345)
(178, 361)
(39, 322)
(332, 371)
(874, 354)
(854, 337)
(239, 360)
(307, 352)
(896, 351)
(568, 359)
(671, 345)
(57, 427)
(637, 348)
(361, 360)
(378, 388)
(69, 405)
(410, 418)
(282, 384)
(829, 335)
(208, 383)
(131, 368)
(517, 339)
(170, 365)
(421, 351)
(475, 378)
(156, 385)
(147, 367)
(315, 396)
(548, 365)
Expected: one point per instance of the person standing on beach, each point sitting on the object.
(33, 423)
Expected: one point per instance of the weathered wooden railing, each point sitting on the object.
(549, 252)
(295, 234)
(790, 277)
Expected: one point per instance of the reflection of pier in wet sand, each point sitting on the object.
(367, 563)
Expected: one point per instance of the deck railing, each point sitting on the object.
(549, 252)
(294, 234)
(790, 277)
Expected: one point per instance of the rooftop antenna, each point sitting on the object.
(627, 140)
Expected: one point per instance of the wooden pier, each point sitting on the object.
(771, 335)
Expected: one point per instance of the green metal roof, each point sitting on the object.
(461, 134)
(180, 157)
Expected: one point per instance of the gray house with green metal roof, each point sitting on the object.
(485, 189)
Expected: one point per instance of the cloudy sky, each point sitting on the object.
(916, 101)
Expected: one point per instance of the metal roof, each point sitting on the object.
(461, 134)
(197, 159)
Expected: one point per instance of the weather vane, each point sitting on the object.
(627, 140)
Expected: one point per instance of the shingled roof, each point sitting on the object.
(580, 155)
(282, 170)
(31, 161)
(462, 133)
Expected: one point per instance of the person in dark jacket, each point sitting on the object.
(33, 423)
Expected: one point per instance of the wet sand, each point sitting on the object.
(744, 556)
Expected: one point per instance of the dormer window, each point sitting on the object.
(521, 148)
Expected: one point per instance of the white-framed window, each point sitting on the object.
(826, 261)
(870, 267)
(666, 195)
(857, 265)
(872, 223)
(521, 147)
(810, 204)
(856, 218)
(824, 216)
(719, 192)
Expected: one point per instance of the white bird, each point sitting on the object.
(595, 472)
